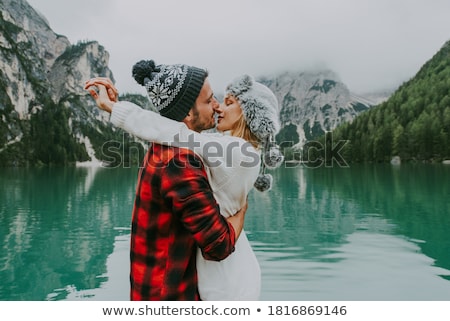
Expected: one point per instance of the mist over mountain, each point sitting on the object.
(413, 125)
(316, 101)
(46, 117)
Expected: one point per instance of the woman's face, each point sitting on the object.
(228, 113)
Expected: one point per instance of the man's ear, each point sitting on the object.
(190, 116)
(188, 119)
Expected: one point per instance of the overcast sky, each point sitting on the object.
(371, 44)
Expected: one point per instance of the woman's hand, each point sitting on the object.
(103, 91)
(101, 98)
(112, 91)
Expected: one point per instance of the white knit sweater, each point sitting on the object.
(232, 164)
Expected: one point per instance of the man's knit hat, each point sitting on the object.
(172, 89)
(260, 108)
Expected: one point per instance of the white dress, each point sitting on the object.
(232, 165)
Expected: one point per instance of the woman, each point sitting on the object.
(247, 121)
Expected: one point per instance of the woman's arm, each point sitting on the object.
(146, 124)
(215, 150)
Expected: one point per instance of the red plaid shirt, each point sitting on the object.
(174, 213)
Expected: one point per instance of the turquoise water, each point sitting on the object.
(374, 232)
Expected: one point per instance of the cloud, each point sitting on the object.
(371, 44)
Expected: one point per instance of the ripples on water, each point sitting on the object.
(369, 233)
(369, 266)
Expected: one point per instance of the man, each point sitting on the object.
(174, 211)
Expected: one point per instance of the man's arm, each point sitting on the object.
(237, 220)
(185, 185)
(135, 120)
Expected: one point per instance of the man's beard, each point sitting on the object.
(198, 124)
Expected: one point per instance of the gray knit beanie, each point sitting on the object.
(172, 89)
(259, 104)
(261, 112)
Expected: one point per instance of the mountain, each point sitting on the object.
(412, 125)
(46, 117)
(314, 102)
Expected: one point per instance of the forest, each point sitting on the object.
(414, 123)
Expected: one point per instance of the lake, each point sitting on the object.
(367, 232)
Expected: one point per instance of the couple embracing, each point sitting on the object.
(187, 237)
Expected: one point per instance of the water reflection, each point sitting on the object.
(115, 283)
(364, 233)
(369, 266)
(58, 228)
(368, 232)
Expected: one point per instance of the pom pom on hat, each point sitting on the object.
(273, 157)
(142, 71)
(264, 182)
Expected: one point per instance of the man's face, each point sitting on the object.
(202, 114)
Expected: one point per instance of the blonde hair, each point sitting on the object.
(242, 130)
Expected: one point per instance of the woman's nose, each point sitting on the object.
(215, 103)
(217, 107)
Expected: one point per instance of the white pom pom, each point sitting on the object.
(273, 157)
(264, 182)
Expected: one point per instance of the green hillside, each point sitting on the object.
(414, 123)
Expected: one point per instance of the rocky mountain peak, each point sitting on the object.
(74, 66)
(314, 101)
(41, 90)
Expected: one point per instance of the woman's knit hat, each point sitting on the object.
(261, 112)
(259, 104)
(172, 89)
